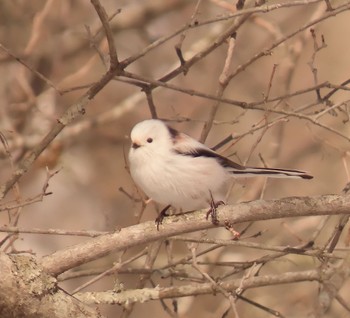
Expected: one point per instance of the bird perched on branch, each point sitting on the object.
(176, 170)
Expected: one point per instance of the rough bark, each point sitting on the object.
(27, 291)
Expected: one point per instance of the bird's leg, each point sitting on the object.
(212, 210)
(161, 216)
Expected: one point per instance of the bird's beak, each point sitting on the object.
(135, 145)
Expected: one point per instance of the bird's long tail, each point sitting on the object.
(270, 172)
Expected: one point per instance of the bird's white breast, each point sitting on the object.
(179, 180)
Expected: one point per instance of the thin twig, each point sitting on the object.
(270, 81)
(268, 50)
(293, 250)
(178, 45)
(20, 230)
(151, 106)
(38, 74)
(220, 91)
(109, 271)
(114, 63)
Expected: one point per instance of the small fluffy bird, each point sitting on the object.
(176, 170)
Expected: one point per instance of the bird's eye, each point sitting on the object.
(149, 140)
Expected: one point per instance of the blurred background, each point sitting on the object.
(93, 190)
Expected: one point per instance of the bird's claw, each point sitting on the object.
(212, 211)
(161, 216)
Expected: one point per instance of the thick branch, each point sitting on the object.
(146, 294)
(76, 255)
(25, 291)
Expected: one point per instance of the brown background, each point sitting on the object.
(91, 161)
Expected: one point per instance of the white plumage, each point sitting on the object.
(175, 169)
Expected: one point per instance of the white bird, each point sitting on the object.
(176, 170)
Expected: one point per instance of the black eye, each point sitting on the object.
(149, 140)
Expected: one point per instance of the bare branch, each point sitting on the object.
(114, 63)
(63, 260)
(38, 74)
(147, 294)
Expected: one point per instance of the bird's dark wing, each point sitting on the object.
(187, 146)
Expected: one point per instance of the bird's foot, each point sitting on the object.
(161, 216)
(212, 211)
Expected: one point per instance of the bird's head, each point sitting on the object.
(150, 137)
